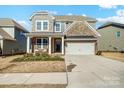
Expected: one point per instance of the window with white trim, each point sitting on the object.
(42, 25)
(118, 34)
(45, 25)
(41, 41)
(45, 41)
(38, 25)
(57, 27)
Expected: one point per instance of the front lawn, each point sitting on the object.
(114, 55)
(38, 57)
(32, 64)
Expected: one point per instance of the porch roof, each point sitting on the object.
(36, 34)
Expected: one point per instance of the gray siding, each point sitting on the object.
(17, 46)
(108, 40)
(9, 47)
(20, 39)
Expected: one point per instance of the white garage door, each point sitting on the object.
(80, 48)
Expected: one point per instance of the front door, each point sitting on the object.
(57, 45)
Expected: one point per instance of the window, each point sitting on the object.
(45, 25)
(118, 34)
(58, 27)
(45, 41)
(41, 41)
(41, 25)
(38, 25)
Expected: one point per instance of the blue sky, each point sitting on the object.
(102, 13)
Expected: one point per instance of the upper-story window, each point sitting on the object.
(57, 27)
(38, 25)
(42, 25)
(118, 34)
(45, 25)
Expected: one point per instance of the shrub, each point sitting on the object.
(39, 57)
(28, 55)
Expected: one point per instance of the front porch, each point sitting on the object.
(45, 44)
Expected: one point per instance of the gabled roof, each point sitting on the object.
(111, 24)
(11, 22)
(80, 28)
(5, 35)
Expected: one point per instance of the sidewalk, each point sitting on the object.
(33, 78)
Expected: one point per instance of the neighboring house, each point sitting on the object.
(64, 34)
(12, 38)
(112, 37)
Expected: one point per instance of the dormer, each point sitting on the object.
(42, 21)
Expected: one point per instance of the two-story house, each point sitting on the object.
(12, 38)
(64, 34)
(112, 37)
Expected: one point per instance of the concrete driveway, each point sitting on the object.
(95, 71)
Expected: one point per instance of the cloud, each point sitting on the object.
(119, 17)
(111, 19)
(69, 14)
(53, 12)
(107, 6)
(120, 12)
(84, 15)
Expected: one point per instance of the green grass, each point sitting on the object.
(38, 57)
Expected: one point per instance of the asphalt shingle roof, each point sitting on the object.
(64, 17)
(73, 18)
(11, 22)
(111, 24)
(80, 28)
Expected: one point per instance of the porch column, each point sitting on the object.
(28, 44)
(1, 46)
(49, 45)
(63, 45)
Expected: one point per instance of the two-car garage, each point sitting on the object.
(80, 48)
(81, 39)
